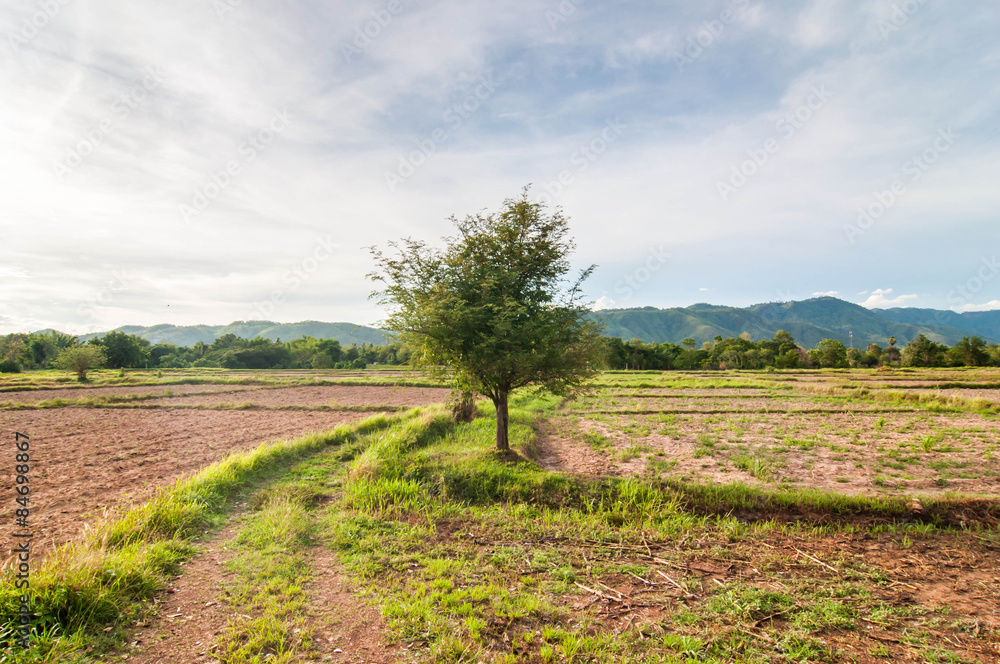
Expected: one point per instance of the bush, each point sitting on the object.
(80, 359)
(10, 366)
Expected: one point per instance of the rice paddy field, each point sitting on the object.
(681, 517)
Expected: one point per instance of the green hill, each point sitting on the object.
(983, 323)
(345, 333)
(809, 321)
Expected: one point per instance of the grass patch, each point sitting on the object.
(106, 579)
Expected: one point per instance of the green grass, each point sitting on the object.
(478, 557)
(271, 567)
(107, 579)
(471, 555)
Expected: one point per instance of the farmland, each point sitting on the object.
(681, 516)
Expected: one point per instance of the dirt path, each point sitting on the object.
(341, 620)
(87, 459)
(557, 451)
(192, 615)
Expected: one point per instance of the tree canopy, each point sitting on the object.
(80, 359)
(494, 305)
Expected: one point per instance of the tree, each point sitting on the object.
(922, 352)
(687, 361)
(124, 350)
(891, 354)
(80, 359)
(832, 354)
(494, 305)
(972, 352)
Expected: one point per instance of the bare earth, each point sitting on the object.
(34, 396)
(86, 460)
(191, 618)
(326, 395)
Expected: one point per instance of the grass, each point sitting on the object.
(474, 556)
(509, 568)
(107, 578)
(271, 567)
(53, 379)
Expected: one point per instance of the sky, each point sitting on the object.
(200, 162)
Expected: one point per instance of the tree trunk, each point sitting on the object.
(465, 408)
(503, 421)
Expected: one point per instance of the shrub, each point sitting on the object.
(10, 366)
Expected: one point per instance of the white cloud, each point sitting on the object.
(988, 306)
(832, 293)
(883, 299)
(704, 290)
(60, 240)
(603, 302)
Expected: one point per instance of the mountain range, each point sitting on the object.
(345, 333)
(809, 321)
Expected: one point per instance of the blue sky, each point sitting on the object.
(210, 161)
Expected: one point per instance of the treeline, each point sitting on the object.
(782, 352)
(117, 350)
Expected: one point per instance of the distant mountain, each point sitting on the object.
(984, 323)
(809, 321)
(345, 333)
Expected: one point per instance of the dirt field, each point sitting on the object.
(327, 395)
(804, 432)
(86, 460)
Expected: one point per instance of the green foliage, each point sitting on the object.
(80, 359)
(970, 352)
(832, 354)
(922, 352)
(123, 350)
(10, 366)
(494, 305)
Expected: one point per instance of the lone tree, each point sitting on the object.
(80, 359)
(494, 305)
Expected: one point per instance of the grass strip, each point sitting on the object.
(105, 580)
(477, 557)
(271, 569)
(116, 402)
(929, 402)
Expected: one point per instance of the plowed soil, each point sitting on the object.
(87, 460)
(70, 394)
(327, 395)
